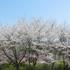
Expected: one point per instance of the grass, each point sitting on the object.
(53, 66)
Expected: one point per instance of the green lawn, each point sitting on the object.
(53, 66)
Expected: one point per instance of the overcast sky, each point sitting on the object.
(12, 10)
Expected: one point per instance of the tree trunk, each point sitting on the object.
(17, 66)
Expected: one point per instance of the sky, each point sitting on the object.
(13, 10)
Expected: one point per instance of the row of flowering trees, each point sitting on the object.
(25, 42)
